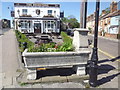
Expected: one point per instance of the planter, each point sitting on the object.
(78, 59)
(34, 60)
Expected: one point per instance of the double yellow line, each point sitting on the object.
(105, 53)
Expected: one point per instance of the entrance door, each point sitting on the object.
(37, 27)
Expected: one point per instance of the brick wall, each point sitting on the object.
(111, 35)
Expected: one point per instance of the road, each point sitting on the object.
(107, 46)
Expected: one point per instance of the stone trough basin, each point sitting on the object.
(78, 59)
(35, 60)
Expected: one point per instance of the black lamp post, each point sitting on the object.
(94, 59)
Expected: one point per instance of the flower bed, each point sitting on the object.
(53, 47)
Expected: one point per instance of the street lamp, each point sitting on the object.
(94, 59)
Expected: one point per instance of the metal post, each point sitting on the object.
(94, 59)
(83, 14)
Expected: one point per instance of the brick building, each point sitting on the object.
(108, 21)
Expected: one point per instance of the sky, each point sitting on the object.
(69, 8)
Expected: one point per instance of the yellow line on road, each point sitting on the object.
(105, 53)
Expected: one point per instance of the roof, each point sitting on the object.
(36, 5)
(116, 13)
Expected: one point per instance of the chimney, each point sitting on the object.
(113, 7)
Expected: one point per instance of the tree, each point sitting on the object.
(64, 20)
(71, 22)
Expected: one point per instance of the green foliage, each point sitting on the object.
(107, 10)
(22, 38)
(71, 21)
(65, 20)
(43, 48)
(52, 47)
(90, 29)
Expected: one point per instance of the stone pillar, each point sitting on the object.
(31, 73)
(80, 39)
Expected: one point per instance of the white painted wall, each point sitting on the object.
(32, 11)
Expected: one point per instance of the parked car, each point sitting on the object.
(70, 32)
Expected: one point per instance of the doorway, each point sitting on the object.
(37, 27)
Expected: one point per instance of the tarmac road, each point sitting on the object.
(109, 46)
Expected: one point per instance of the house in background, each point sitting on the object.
(37, 17)
(113, 30)
(108, 21)
(91, 22)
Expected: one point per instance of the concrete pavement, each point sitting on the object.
(9, 58)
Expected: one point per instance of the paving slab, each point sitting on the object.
(54, 79)
(77, 78)
(63, 85)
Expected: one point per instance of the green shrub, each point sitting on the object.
(22, 38)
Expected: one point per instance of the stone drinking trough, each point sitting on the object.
(37, 60)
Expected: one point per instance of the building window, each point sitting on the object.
(48, 24)
(54, 13)
(24, 11)
(49, 12)
(52, 24)
(58, 24)
(45, 24)
(23, 25)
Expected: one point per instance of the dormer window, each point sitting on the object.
(49, 12)
(24, 11)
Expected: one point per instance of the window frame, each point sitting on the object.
(50, 12)
(24, 11)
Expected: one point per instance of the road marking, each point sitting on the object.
(105, 53)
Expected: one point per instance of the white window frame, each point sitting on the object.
(24, 11)
(50, 13)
